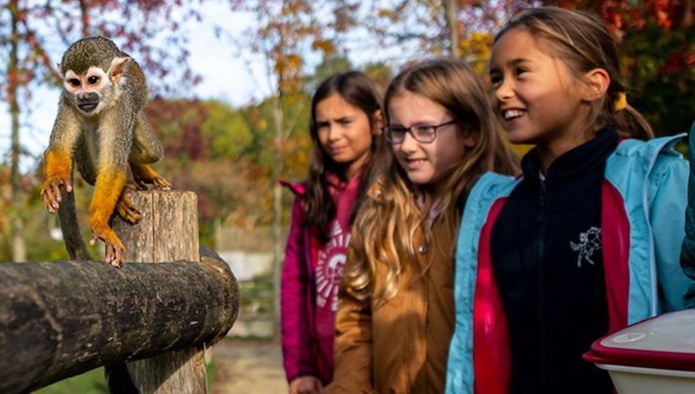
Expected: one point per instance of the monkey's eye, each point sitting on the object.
(93, 80)
(74, 82)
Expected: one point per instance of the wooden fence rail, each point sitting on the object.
(62, 318)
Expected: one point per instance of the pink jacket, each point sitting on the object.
(310, 278)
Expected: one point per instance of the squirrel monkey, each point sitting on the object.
(100, 126)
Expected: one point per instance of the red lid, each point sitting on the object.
(664, 342)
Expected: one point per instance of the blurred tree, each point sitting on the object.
(331, 65)
(16, 77)
(5, 198)
(380, 73)
(210, 149)
(459, 28)
(287, 32)
(657, 42)
(296, 142)
(226, 132)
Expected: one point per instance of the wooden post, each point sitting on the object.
(167, 232)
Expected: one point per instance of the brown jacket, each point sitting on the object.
(401, 346)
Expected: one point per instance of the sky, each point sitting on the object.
(234, 78)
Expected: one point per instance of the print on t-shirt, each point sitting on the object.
(330, 264)
(589, 243)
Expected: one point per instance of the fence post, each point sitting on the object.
(167, 232)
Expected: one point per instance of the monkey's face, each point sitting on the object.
(90, 91)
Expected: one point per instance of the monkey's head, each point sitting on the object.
(93, 71)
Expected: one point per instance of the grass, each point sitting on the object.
(94, 382)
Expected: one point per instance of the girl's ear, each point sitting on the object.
(470, 141)
(470, 138)
(596, 86)
(378, 121)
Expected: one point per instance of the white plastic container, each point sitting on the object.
(655, 356)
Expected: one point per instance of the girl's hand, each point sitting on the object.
(306, 385)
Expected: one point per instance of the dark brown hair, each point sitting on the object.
(357, 89)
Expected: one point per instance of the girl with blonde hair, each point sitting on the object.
(396, 307)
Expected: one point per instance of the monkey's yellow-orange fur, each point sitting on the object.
(110, 183)
(57, 167)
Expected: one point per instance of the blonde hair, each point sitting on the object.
(584, 43)
(383, 230)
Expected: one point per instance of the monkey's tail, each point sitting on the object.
(118, 379)
(67, 213)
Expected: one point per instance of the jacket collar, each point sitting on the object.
(586, 158)
(335, 184)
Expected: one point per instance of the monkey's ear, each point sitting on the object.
(119, 65)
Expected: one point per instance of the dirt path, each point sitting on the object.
(248, 367)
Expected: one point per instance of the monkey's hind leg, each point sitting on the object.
(144, 175)
(125, 207)
(146, 149)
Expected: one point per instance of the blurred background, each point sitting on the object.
(231, 83)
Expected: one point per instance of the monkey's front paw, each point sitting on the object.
(125, 207)
(50, 192)
(114, 246)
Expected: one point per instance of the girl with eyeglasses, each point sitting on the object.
(396, 307)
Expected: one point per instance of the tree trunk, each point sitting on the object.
(18, 248)
(451, 10)
(277, 207)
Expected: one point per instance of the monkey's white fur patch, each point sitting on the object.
(103, 85)
(84, 85)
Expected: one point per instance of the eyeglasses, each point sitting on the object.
(422, 133)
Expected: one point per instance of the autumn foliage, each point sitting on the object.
(657, 42)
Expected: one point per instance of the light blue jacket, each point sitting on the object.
(650, 179)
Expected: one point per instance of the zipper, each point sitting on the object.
(652, 248)
(541, 220)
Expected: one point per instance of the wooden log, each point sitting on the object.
(60, 319)
(167, 231)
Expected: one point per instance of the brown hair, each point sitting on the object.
(583, 42)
